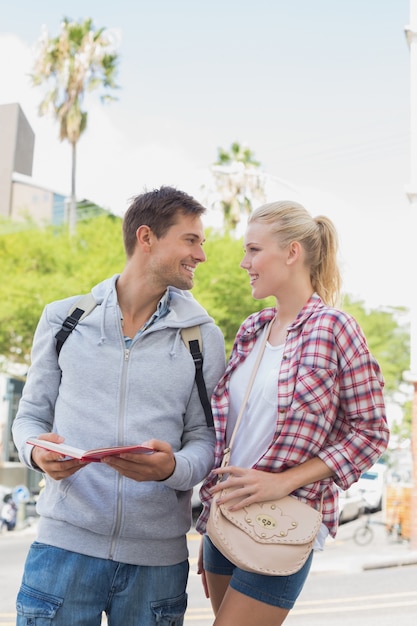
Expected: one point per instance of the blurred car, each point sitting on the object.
(371, 485)
(351, 504)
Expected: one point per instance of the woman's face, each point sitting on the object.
(265, 262)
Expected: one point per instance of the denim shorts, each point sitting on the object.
(61, 588)
(280, 591)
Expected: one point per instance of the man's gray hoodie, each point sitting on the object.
(100, 394)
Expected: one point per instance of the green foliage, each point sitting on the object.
(46, 265)
(40, 266)
(236, 154)
(388, 339)
(222, 287)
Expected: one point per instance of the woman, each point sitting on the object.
(315, 418)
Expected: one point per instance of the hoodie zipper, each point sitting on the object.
(116, 531)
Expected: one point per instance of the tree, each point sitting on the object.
(78, 60)
(238, 183)
(387, 337)
(43, 265)
(222, 286)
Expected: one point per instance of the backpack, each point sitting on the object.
(191, 337)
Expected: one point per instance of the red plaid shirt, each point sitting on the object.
(330, 403)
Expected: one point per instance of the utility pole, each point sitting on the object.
(411, 190)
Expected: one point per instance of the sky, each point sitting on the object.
(318, 90)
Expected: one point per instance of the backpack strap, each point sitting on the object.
(77, 312)
(192, 338)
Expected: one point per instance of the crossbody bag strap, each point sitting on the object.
(227, 451)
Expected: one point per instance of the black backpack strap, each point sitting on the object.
(67, 328)
(199, 379)
(190, 337)
(81, 309)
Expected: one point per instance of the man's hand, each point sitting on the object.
(159, 465)
(56, 465)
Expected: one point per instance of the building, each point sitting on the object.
(21, 200)
(17, 143)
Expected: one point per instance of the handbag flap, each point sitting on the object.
(285, 521)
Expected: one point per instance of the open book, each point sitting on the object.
(87, 455)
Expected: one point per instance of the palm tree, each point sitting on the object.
(239, 183)
(78, 60)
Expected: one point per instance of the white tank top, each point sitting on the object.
(258, 425)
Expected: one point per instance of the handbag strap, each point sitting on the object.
(228, 450)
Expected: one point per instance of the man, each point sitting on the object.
(112, 535)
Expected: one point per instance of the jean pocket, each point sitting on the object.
(33, 603)
(170, 611)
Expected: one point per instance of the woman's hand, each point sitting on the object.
(249, 485)
(201, 570)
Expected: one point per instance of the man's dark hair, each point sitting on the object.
(157, 209)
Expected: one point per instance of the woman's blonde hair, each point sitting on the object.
(289, 221)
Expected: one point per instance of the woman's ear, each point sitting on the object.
(294, 252)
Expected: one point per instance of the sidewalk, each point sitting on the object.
(344, 554)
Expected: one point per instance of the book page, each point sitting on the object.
(94, 455)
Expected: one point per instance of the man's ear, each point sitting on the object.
(294, 252)
(144, 237)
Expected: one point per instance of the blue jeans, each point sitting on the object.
(70, 589)
(280, 591)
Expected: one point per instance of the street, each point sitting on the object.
(339, 589)
(348, 584)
